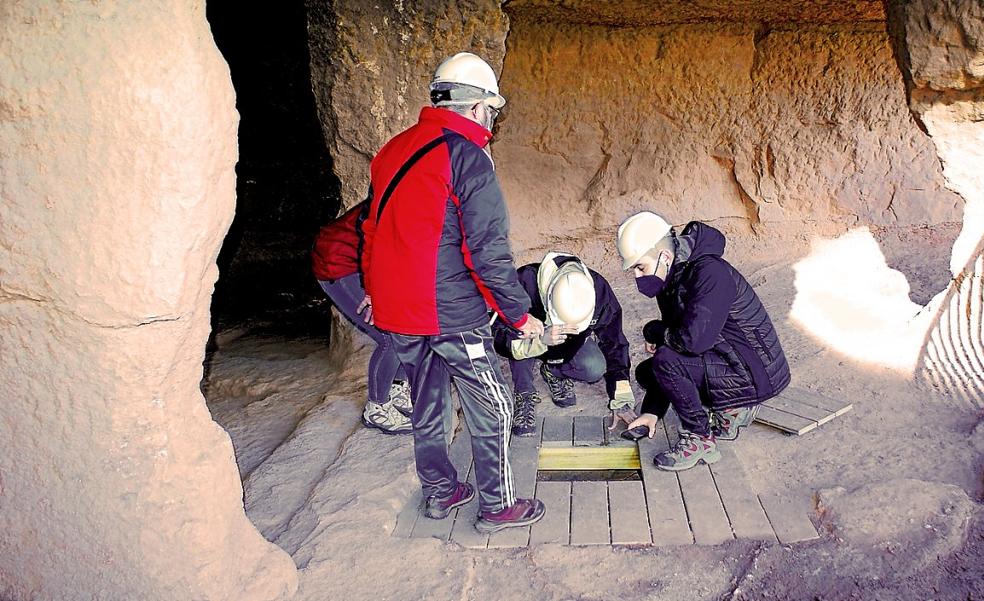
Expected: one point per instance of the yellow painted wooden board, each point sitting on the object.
(589, 458)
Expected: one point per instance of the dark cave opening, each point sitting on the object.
(285, 185)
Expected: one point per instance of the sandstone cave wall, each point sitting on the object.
(371, 63)
(117, 185)
(796, 124)
(791, 125)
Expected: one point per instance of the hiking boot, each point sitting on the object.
(399, 395)
(561, 389)
(524, 413)
(727, 423)
(438, 509)
(386, 418)
(690, 450)
(521, 513)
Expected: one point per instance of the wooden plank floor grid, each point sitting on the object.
(706, 505)
(798, 410)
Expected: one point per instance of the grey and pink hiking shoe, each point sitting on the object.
(438, 509)
(521, 513)
(727, 423)
(690, 450)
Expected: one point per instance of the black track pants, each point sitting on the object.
(468, 359)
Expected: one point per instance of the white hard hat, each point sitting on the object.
(638, 234)
(572, 297)
(465, 77)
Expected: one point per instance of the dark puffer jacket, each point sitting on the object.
(710, 310)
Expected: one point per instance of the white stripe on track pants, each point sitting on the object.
(469, 360)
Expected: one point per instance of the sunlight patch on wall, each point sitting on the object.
(849, 298)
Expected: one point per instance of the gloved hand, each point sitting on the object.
(557, 334)
(624, 399)
(626, 414)
(524, 348)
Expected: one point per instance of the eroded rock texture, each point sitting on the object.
(753, 112)
(940, 47)
(117, 149)
(940, 50)
(794, 124)
(371, 63)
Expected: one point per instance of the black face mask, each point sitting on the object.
(650, 285)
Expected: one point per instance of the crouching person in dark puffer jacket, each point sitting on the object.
(714, 345)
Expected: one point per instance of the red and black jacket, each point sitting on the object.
(437, 252)
(337, 247)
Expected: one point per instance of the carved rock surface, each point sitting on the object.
(371, 63)
(117, 154)
(753, 112)
(795, 124)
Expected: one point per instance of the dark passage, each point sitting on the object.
(285, 188)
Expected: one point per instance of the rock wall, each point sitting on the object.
(940, 51)
(940, 47)
(791, 124)
(117, 154)
(795, 124)
(371, 63)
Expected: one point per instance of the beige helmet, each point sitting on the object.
(567, 292)
(638, 234)
(465, 78)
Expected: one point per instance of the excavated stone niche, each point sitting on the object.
(754, 112)
(117, 154)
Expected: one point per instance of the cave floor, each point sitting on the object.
(895, 483)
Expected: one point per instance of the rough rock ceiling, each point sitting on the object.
(628, 13)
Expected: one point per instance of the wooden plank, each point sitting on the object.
(748, 519)
(555, 527)
(523, 459)
(460, 454)
(821, 416)
(589, 458)
(408, 515)
(785, 421)
(589, 513)
(463, 531)
(808, 397)
(629, 517)
(708, 520)
(558, 430)
(664, 501)
(589, 430)
(789, 518)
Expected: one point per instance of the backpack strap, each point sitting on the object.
(406, 167)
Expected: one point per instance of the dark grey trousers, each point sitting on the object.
(468, 359)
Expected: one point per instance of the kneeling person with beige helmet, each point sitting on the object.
(582, 339)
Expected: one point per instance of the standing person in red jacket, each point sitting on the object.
(437, 257)
(335, 262)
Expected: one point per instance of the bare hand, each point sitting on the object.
(532, 328)
(557, 334)
(626, 414)
(646, 419)
(651, 348)
(366, 305)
